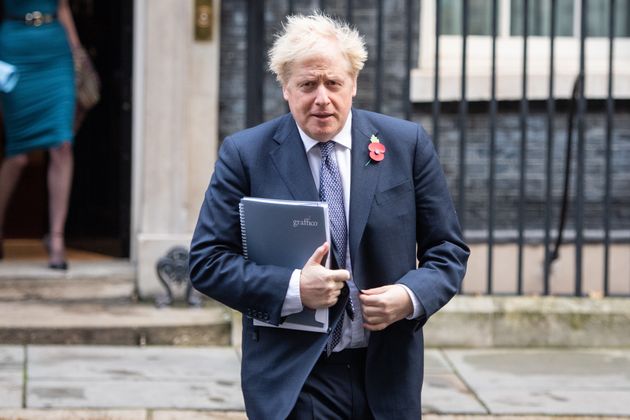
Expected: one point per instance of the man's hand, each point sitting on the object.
(319, 286)
(384, 305)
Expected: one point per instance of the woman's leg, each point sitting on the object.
(59, 184)
(10, 171)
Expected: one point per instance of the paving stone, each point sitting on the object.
(71, 414)
(443, 391)
(11, 376)
(31, 414)
(133, 377)
(209, 394)
(122, 362)
(547, 381)
(448, 394)
(198, 415)
(519, 417)
(558, 401)
(435, 363)
(10, 395)
(163, 383)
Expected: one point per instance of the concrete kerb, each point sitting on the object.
(521, 321)
(530, 321)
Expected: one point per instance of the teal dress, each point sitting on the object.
(39, 112)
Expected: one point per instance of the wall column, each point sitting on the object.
(175, 134)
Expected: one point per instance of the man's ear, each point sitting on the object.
(285, 93)
(354, 88)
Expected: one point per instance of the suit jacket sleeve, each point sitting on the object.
(441, 251)
(217, 266)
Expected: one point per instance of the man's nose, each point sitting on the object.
(322, 95)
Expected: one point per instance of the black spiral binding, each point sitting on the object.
(241, 211)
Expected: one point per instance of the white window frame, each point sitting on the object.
(509, 63)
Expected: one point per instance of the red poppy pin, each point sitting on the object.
(377, 150)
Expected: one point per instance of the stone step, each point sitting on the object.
(94, 302)
(33, 322)
(83, 281)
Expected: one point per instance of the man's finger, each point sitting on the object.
(340, 275)
(375, 291)
(371, 297)
(371, 312)
(337, 285)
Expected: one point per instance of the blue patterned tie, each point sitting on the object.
(331, 191)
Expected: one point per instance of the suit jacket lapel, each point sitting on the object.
(364, 180)
(291, 162)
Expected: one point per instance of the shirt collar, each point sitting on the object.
(343, 138)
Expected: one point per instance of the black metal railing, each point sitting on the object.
(406, 13)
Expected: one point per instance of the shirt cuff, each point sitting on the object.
(292, 302)
(418, 309)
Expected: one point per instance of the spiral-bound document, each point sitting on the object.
(286, 233)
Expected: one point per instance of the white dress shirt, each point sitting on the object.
(353, 333)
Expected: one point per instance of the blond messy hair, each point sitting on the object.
(300, 37)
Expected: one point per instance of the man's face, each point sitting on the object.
(319, 91)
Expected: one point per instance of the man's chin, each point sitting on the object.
(323, 137)
(320, 134)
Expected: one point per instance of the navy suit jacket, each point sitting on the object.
(400, 211)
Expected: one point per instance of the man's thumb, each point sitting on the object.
(319, 254)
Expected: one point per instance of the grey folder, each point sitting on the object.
(285, 233)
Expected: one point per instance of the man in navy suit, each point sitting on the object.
(397, 253)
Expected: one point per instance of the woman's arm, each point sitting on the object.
(65, 17)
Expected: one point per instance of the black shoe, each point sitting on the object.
(63, 265)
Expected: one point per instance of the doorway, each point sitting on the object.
(99, 215)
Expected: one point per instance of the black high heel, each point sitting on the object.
(61, 265)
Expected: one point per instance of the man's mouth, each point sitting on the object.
(322, 115)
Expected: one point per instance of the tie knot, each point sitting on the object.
(327, 148)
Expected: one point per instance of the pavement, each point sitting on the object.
(168, 382)
(491, 358)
